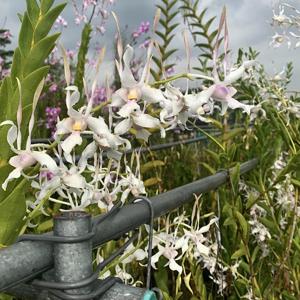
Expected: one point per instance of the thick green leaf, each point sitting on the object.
(25, 36)
(151, 165)
(238, 253)
(243, 223)
(12, 211)
(46, 5)
(16, 68)
(39, 53)
(82, 56)
(46, 22)
(33, 11)
(6, 92)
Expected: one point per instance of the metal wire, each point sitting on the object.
(151, 221)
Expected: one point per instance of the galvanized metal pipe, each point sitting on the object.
(29, 258)
(73, 261)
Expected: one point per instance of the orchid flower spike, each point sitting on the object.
(135, 118)
(131, 89)
(28, 157)
(222, 90)
(174, 107)
(81, 122)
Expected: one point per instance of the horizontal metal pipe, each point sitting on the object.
(27, 259)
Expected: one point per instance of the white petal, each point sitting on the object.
(97, 125)
(155, 258)
(64, 126)
(234, 104)
(12, 134)
(14, 174)
(146, 121)
(123, 127)
(128, 109)
(140, 254)
(71, 141)
(74, 180)
(142, 134)
(114, 154)
(125, 195)
(174, 266)
(119, 97)
(224, 107)
(238, 73)
(203, 249)
(151, 95)
(87, 153)
(72, 98)
(45, 160)
(127, 78)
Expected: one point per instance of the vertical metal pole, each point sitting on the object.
(73, 261)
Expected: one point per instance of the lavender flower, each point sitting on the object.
(52, 114)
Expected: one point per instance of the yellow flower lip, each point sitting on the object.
(77, 126)
(133, 94)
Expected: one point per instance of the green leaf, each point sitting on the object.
(187, 280)
(16, 68)
(82, 55)
(237, 254)
(235, 178)
(45, 226)
(46, 5)
(46, 22)
(12, 211)
(33, 11)
(209, 168)
(39, 53)
(5, 94)
(151, 165)
(151, 181)
(25, 36)
(243, 223)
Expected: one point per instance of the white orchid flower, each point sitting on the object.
(134, 117)
(200, 105)
(198, 238)
(223, 92)
(28, 157)
(174, 108)
(82, 121)
(137, 255)
(68, 182)
(132, 89)
(132, 184)
(169, 250)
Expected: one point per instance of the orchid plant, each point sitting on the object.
(87, 165)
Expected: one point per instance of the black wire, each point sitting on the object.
(86, 281)
(151, 221)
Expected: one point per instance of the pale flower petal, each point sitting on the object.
(123, 127)
(71, 141)
(119, 98)
(14, 174)
(174, 266)
(146, 121)
(238, 73)
(74, 180)
(151, 95)
(128, 109)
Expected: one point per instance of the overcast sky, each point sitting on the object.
(249, 25)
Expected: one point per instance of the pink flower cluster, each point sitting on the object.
(143, 28)
(100, 95)
(52, 114)
(60, 21)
